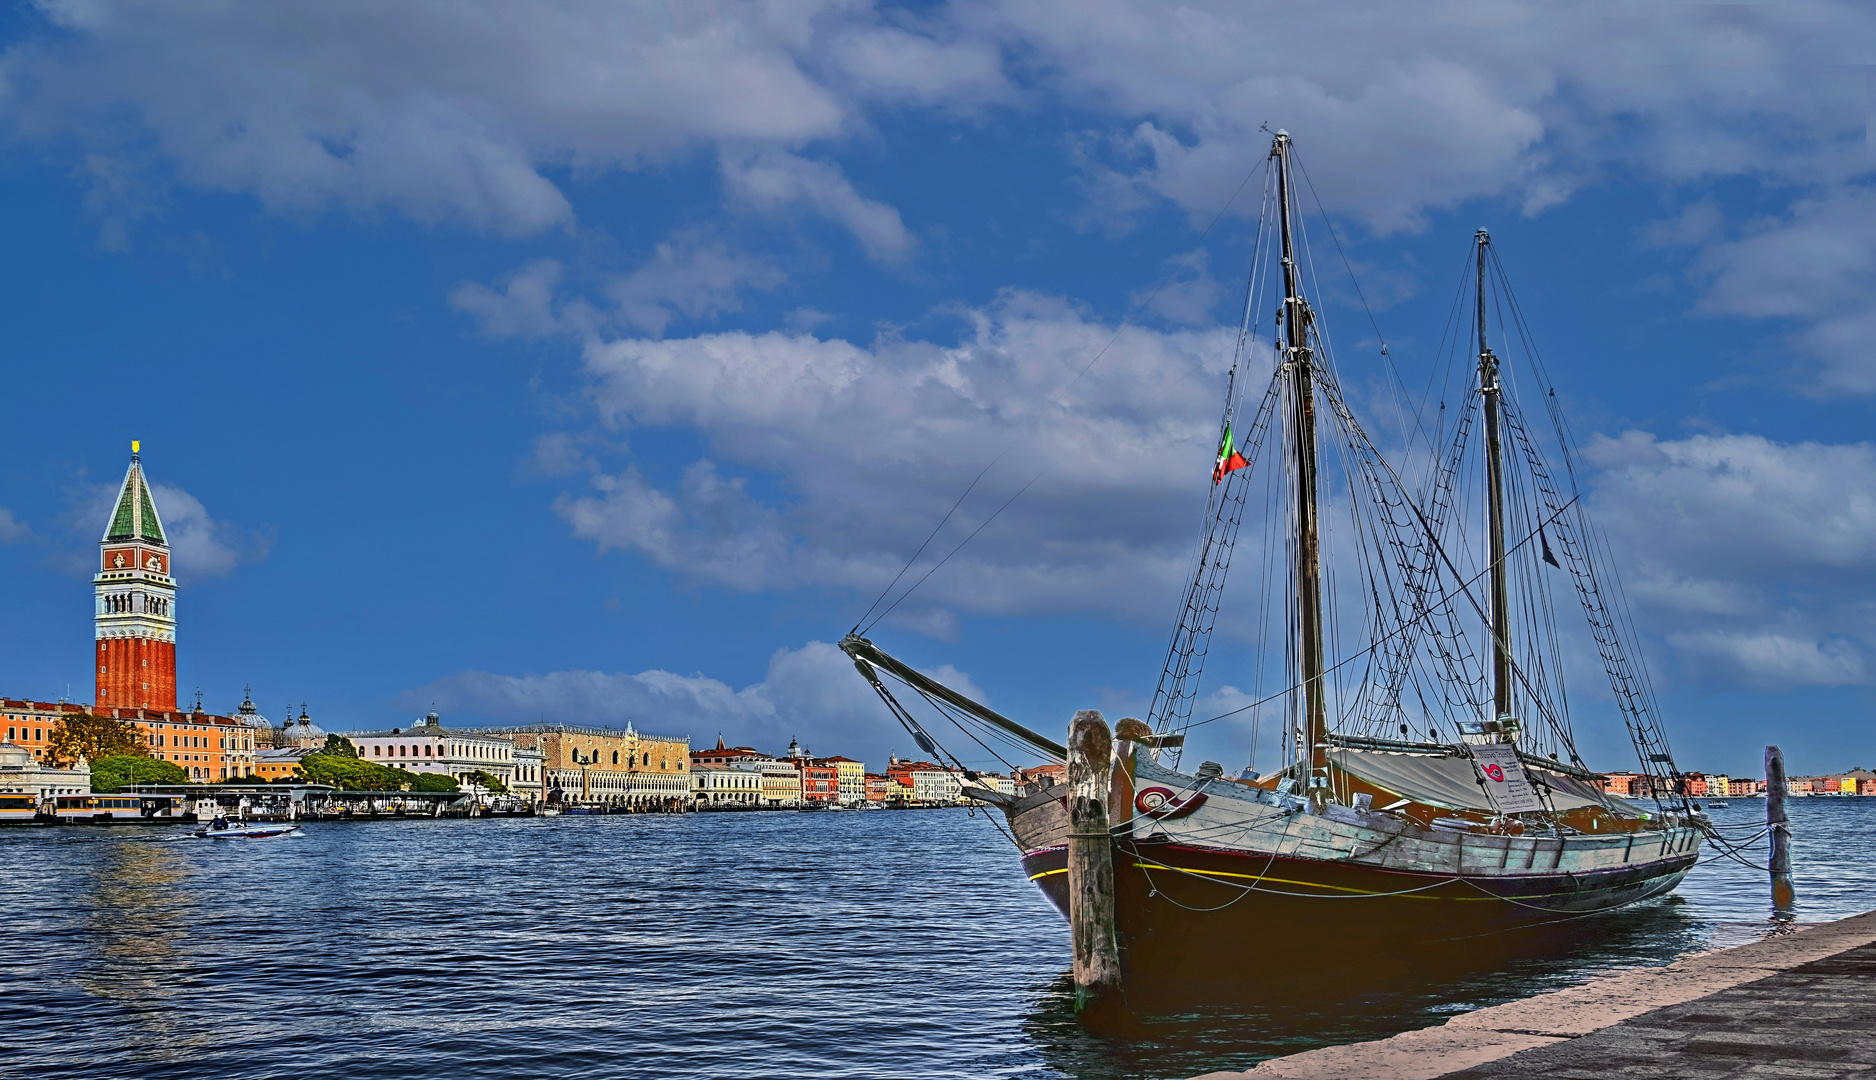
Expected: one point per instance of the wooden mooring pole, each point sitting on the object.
(1091, 916)
(1778, 827)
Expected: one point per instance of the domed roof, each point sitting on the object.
(247, 713)
(303, 731)
(14, 756)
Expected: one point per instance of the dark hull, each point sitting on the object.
(1183, 907)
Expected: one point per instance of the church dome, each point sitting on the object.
(303, 732)
(14, 756)
(248, 714)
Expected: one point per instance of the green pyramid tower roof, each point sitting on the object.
(135, 517)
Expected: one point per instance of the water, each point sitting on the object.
(899, 944)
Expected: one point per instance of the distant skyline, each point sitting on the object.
(593, 362)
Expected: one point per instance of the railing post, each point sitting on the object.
(1091, 915)
(1778, 826)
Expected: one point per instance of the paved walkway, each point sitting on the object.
(1801, 1004)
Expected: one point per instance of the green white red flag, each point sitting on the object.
(1229, 460)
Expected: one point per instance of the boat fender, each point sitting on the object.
(1163, 804)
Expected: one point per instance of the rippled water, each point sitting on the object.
(899, 944)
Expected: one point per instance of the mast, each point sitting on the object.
(1490, 390)
(1298, 363)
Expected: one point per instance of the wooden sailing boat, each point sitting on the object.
(1361, 831)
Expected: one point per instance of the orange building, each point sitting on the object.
(204, 746)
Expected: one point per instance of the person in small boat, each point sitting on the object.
(219, 822)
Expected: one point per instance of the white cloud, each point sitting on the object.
(525, 307)
(200, 545)
(688, 278)
(1753, 558)
(1815, 264)
(812, 693)
(451, 112)
(774, 180)
(11, 528)
(829, 462)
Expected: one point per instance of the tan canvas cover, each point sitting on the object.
(1451, 783)
(1437, 781)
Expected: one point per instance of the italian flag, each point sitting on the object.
(1229, 460)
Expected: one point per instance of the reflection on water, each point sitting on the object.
(840, 945)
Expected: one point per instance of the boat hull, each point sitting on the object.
(1246, 874)
(1177, 903)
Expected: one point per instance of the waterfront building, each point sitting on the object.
(996, 782)
(134, 591)
(726, 785)
(850, 778)
(879, 788)
(781, 785)
(820, 784)
(23, 774)
(280, 761)
(608, 765)
(30, 723)
(729, 755)
(428, 747)
(937, 786)
(530, 769)
(205, 746)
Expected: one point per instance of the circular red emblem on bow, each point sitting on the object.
(1496, 773)
(1161, 803)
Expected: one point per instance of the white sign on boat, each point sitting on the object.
(1505, 782)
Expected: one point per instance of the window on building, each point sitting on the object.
(615, 757)
(12, 734)
(426, 751)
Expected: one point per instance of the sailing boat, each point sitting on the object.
(1429, 784)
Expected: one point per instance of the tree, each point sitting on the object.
(340, 746)
(491, 784)
(93, 738)
(357, 774)
(111, 774)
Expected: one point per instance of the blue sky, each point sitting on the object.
(596, 362)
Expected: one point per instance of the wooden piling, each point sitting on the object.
(1091, 916)
(1778, 827)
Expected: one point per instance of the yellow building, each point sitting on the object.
(781, 785)
(611, 766)
(852, 779)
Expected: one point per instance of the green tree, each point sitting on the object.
(111, 774)
(492, 784)
(340, 746)
(357, 774)
(91, 737)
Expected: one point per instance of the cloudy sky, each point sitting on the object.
(601, 361)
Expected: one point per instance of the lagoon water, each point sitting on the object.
(896, 944)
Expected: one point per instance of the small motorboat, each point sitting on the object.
(240, 830)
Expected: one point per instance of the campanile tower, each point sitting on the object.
(136, 603)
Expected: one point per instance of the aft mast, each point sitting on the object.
(1490, 390)
(1298, 364)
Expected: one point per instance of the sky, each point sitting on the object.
(597, 362)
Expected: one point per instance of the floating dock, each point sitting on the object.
(1799, 1003)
